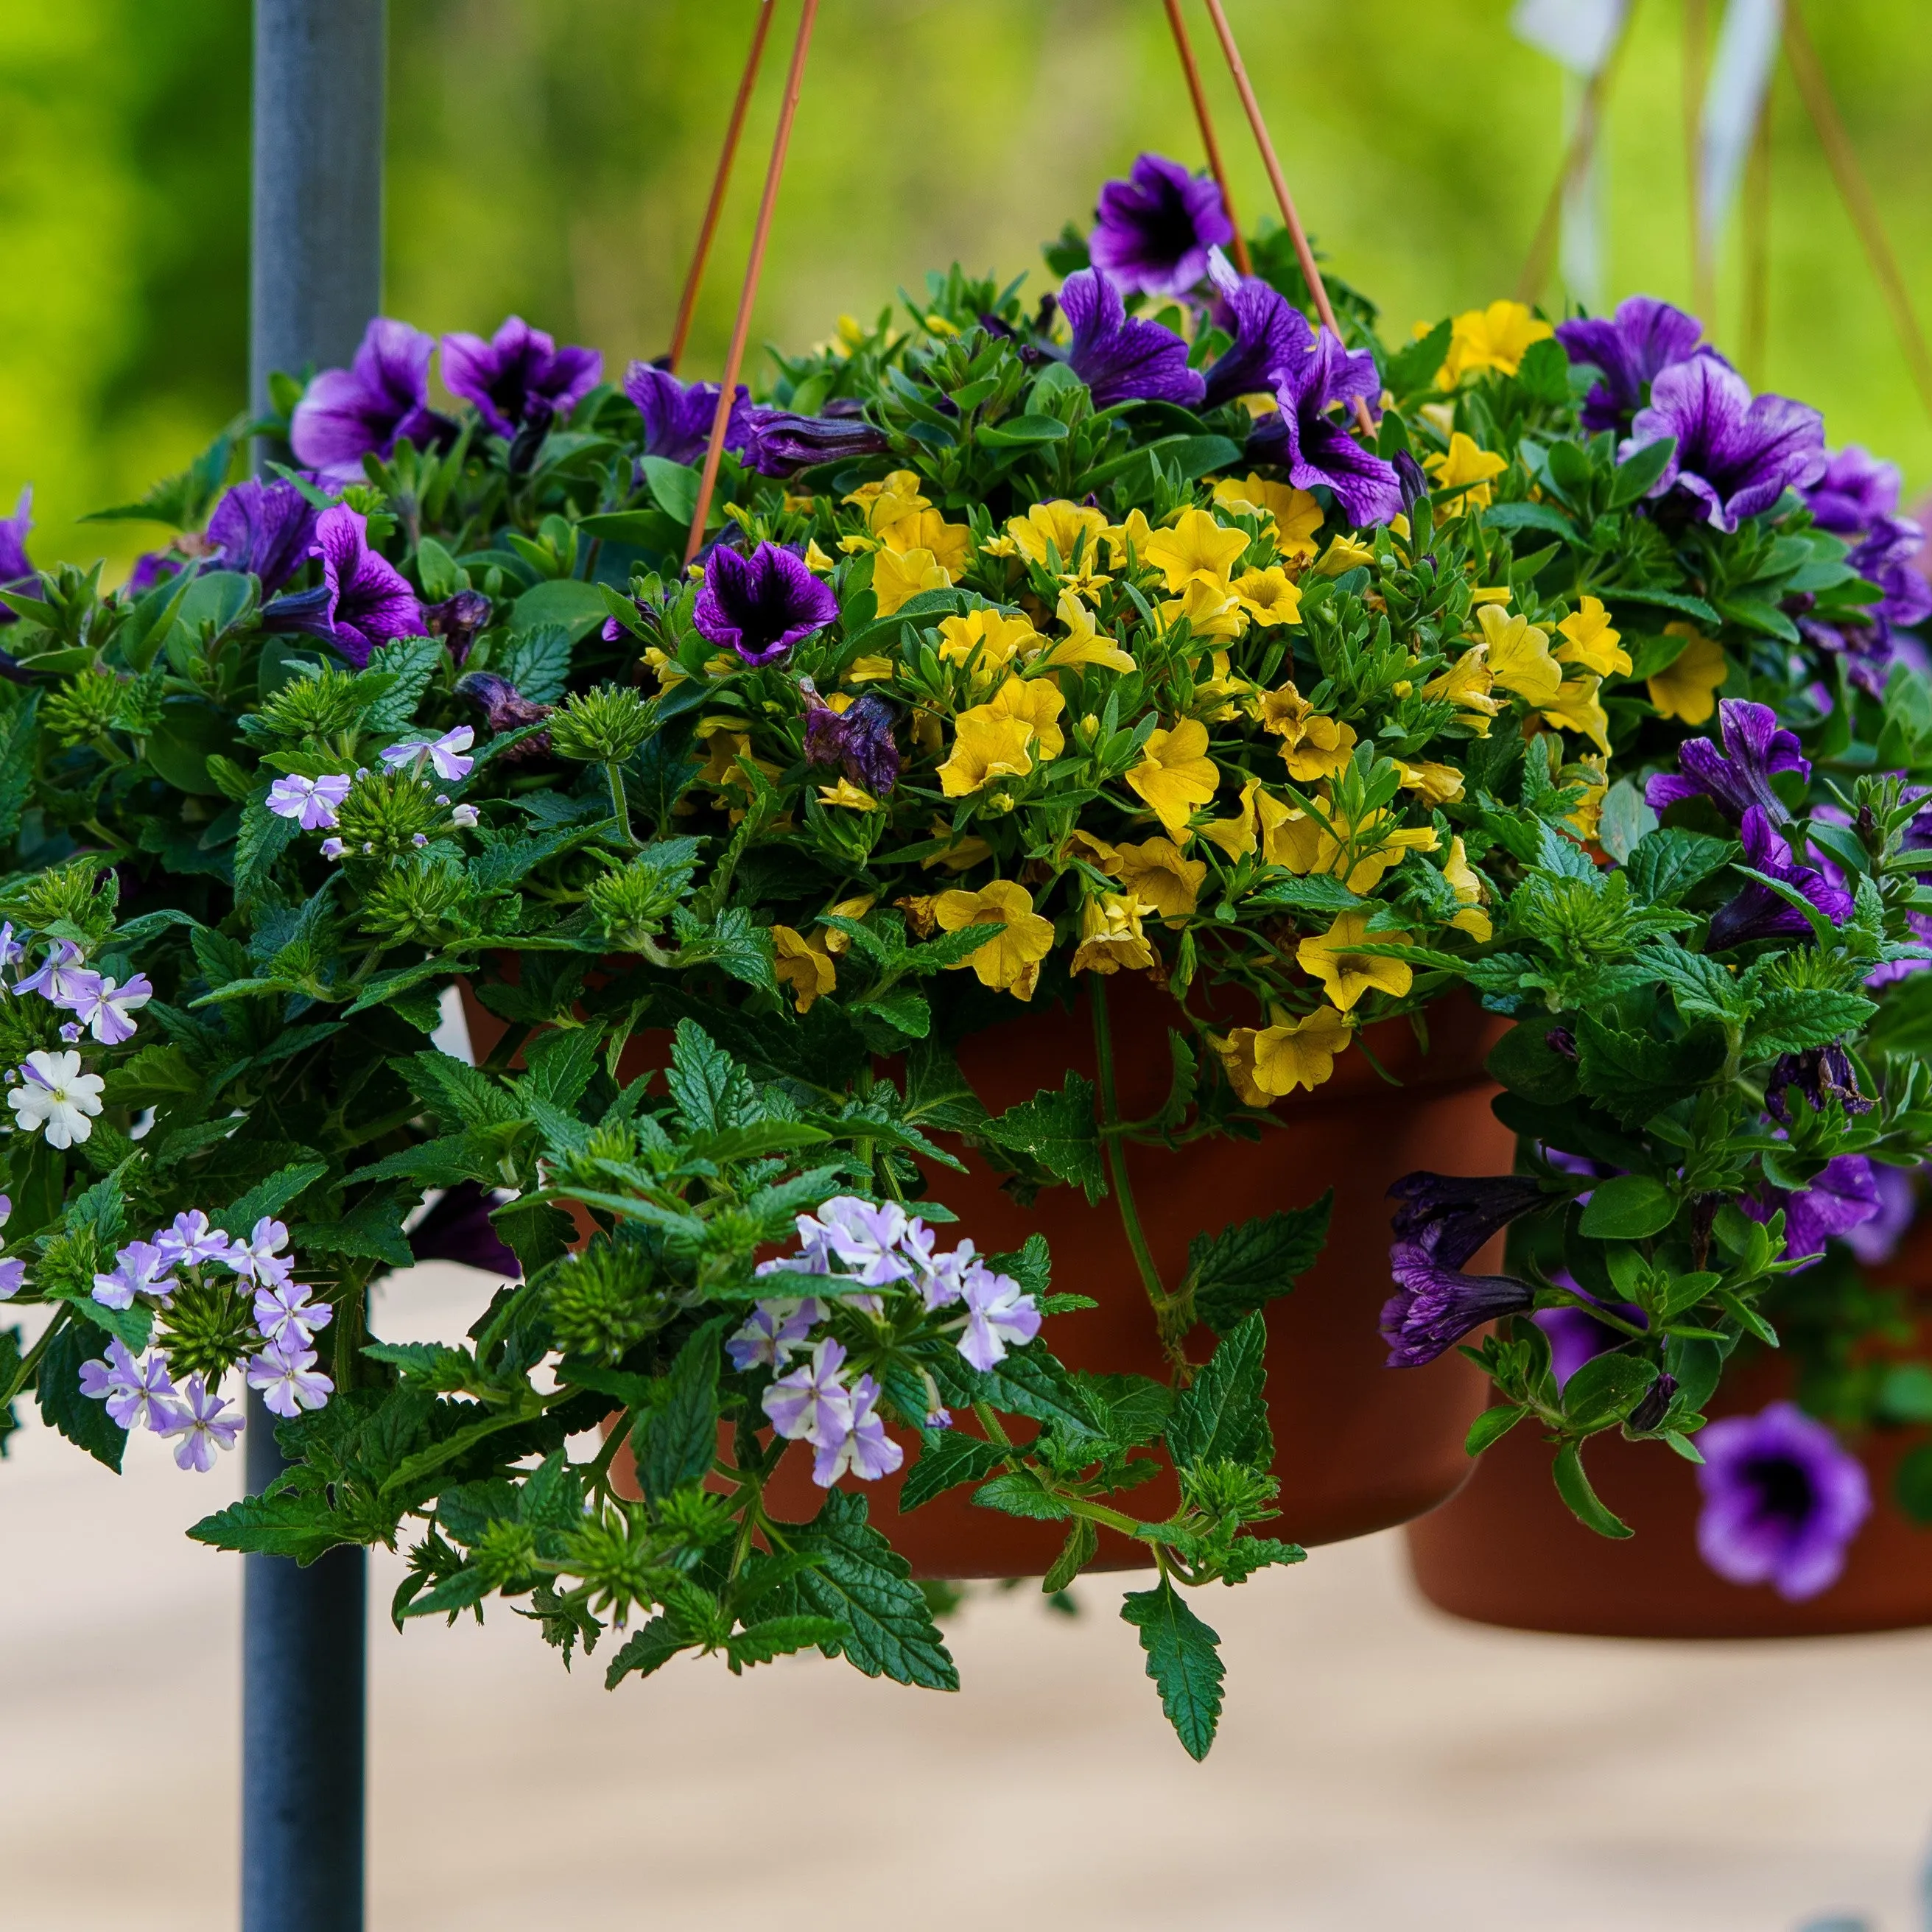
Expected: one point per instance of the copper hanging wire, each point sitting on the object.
(1190, 68)
(741, 329)
(1303, 254)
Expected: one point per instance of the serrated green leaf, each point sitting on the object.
(1057, 1128)
(1184, 1660)
(947, 1457)
(1222, 1413)
(1250, 1263)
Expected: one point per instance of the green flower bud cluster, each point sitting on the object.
(389, 815)
(632, 903)
(429, 903)
(605, 726)
(322, 704)
(209, 1329)
(603, 1303)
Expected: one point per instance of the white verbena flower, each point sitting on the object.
(54, 1094)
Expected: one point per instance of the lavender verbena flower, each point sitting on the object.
(1267, 329)
(382, 398)
(1759, 912)
(12, 951)
(1122, 358)
(104, 1007)
(761, 606)
(446, 755)
(54, 978)
(942, 1278)
(458, 1228)
(1435, 1307)
(1855, 491)
(312, 802)
(13, 1278)
(519, 373)
(1576, 1336)
(772, 1331)
(998, 1313)
(1318, 377)
(369, 601)
(812, 1404)
(865, 1448)
(265, 528)
(1448, 1217)
(1736, 453)
(1844, 1195)
(858, 740)
(1155, 227)
(284, 1314)
(288, 1379)
(1782, 1500)
(135, 1393)
(1631, 348)
(1822, 1074)
(862, 1238)
(678, 416)
(1876, 1241)
(1756, 746)
(189, 1239)
(780, 443)
(260, 1258)
(139, 1268)
(197, 1417)
(17, 569)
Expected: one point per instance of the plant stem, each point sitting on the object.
(620, 805)
(31, 1360)
(596, 1473)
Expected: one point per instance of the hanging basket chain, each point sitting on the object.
(1191, 69)
(708, 229)
(741, 329)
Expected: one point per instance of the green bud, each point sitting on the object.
(385, 815)
(87, 705)
(602, 726)
(315, 704)
(632, 903)
(428, 903)
(209, 1328)
(82, 893)
(601, 1303)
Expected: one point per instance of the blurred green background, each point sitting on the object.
(553, 156)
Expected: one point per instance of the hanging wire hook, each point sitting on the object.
(1216, 167)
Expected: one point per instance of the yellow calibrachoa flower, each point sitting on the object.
(1687, 687)
(929, 530)
(1466, 685)
(805, 968)
(996, 638)
(1084, 643)
(726, 740)
(1434, 784)
(1295, 515)
(958, 853)
(829, 937)
(1111, 936)
(1344, 554)
(1517, 653)
(665, 667)
(1175, 774)
(1269, 596)
(1284, 836)
(1589, 640)
(1496, 338)
(1156, 873)
(1465, 461)
(899, 576)
(1009, 962)
(898, 495)
(1197, 546)
(1264, 1063)
(1133, 535)
(1314, 745)
(1060, 524)
(1213, 612)
(1037, 702)
(986, 744)
(1357, 853)
(1472, 894)
(815, 558)
(1576, 707)
(1587, 820)
(869, 670)
(845, 793)
(1345, 973)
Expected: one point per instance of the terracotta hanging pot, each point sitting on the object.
(1504, 1550)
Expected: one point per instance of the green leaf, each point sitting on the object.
(1525, 1062)
(78, 1417)
(1790, 1019)
(1058, 1130)
(675, 487)
(1082, 1544)
(675, 1441)
(1022, 432)
(575, 607)
(780, 1637)
(562, 1063)
(1250, 1263)
(947, 1457)
(537, 661)
(1605, 1389)
(1635, 1076)
(1491, 1426)
(1184, 1660)
(1411, 369)
(282, 1524)
(1668, 600)
(1020, 1492)
(1317, 893)
(131, 1327)
(399, 673)
(650, 1648)
(1634, 477)
(1630, 1208)
(1222, 1413)
(269, 1197)
(1028, 1381)
(1529, 516)
(708, 1086)
(1573, 1486)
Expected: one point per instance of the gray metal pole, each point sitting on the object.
(315, 280)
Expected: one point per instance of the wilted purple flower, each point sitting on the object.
(265, 528)
(1262, 322)
(283, 1313)
(863, 1447)
(1318, 376)
(382, 398)
(998, 1313)
(1576, 1336)
(190, 1238)
(772, 1331)
(1634, 347)
(139, 1268)
(780, 443)
(1435, 1307)
(519, 373)
(1822, 1074)
(1448, 1217)
(368, 600)
(457, 620)
(1736, 453)
(1155, 227)
(17, 569)
(196, 1417)
(150, 568)
(288, 1378)
(1855, 491)
(678, 416)
(135, 1392)
(761, 606)
(1876, 1240)
(105, 1007)
(505, 708)
(446, 755)
(859, 740)
(1782, 1500)
(812, 1404)
(312, 802)
(1122, 358)
(1755, 746)
(1759, 912)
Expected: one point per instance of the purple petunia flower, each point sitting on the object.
(312, 802)
(678, 415)
(1876, 1240)
(17, 569)
(368, 600)
(151, 567)
(1632, 348)
(780, 443)
(1855, 491)
(1821, 1074)
(1886, 556)
(1755, 746)
(197, 1417)
(1448, 1217)
(518, 374)
(1122, 358)
(265, 528)
(458, 1228)
(1736, 453)
(1318, 376)
(1782, 1500)
(1759, 912)
(1264, 323)
(859, 740)
(1844, 1196)
(1155, 227)
(1435, 1307)
(135, 1392)
(761, 605)
(864, 1447)
(367, 408)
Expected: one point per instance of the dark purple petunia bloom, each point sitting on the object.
(382, 398)
(1435, 1307)
(761, 605)
(1844, 1196)
(780, 443)
(1318, 377)
(1855, 491)
(1887, 558)
(1576, 1336)
(1876, 1241)
(458, 1228)
(1450, 1215)
(1738, 776)
(1821, 1074)
(151, 567)
(267, 528)
(367, 600)
(1155, 227)
(505, 708)
(1736, 453)
(17, 569)
(1632, 348)
(859, 740)
(1783, 1499)
(520, 373)
(678, 415)
(1266, 327)
(1121, 357)
(1759, 912)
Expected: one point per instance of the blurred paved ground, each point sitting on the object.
(1379, 1768)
